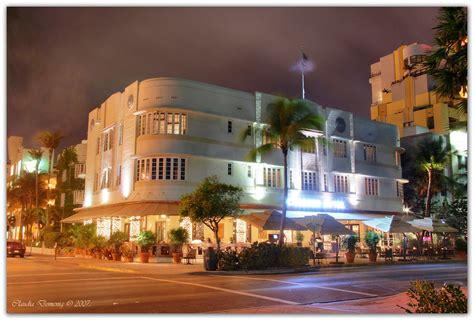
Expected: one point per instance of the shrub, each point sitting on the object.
(116, 239)
(145, 240)
(99, 242)
(425, 298)
(228, 260)
(261, 256)
(350, 243)
(178, 237)
(50, 239)
(461, 245)
(372, 239)
(299, 236)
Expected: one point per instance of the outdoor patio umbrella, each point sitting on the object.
(325, 224)
(393, 224)
(432, 225)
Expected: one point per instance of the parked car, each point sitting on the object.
(15, 248)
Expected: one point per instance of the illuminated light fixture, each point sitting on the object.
(87, 221)
(259, 193)
(458, 140)
(316, 203)
(353, 199)
(463, 92)
(51, 186)
(163, 216)
(406, 209)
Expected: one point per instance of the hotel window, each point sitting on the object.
(161, 169)
(98, 146)
(249, 130)
(162, 123)
(370, 153)
(229, 169)
(272, 177)
(399, 189)
(292, 183)
(397, 158)
(108, 139)
(79, 169)
(325, 181)
(78, 196)
(340, 148)
(309, 180)
(106, 180)
(430, 123)
(120, 134)
(341, 183)
(118, 179)
(229, 126)
(371, 186)
(249, 171)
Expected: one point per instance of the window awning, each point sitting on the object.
(125, 209)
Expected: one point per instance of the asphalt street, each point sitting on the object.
(40, 284)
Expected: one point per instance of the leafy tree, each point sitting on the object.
(50, 140)
(455, 215)
(447, 64)
(286, 119)
(211, 202)
(66, 161)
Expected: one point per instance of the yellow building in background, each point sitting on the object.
(402, 94)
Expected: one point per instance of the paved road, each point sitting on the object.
(40, 284)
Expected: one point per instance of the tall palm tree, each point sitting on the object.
(36, 155)
(432, 158)
(285, 120)
(447, 63)
(50, 140)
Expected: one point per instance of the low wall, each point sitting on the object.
(36, 250)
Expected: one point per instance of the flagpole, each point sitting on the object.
(302, 73)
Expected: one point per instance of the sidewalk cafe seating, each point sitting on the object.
(190, 255)
(388, 254)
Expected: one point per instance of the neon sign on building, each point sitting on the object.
(316, 203)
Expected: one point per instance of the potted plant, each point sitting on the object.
(116, 240)
(99, 243)
(178, 237)
(145, 240)
(350, 243)
(127, 252)
(372, 239)
(299, 238)
(461, 247)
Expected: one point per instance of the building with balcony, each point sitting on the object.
(156, 140)
(402, 93)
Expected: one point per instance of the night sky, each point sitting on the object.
(63, 62)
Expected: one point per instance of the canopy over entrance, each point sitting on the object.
(270, 220)
(125, 209)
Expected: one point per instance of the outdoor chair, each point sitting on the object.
(388, 254)
(190, 255)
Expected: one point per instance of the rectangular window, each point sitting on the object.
(309, 180)
(249, 171)
(183, 124)
(272, 177)
(397, 158)
(249, 130)
(175, 168)
(183, 169)
(153, 169)
(430, 123)
(370, 153)
(142, 170)
(292, 184)
(340, 148)
(176, 124)
(371, 186)
(400, 190)
(160, 169)
(169, 123)
(229, 169)
(120, 133)
(139, 125)
(341, 184)
(137, 173)
(162, 123)
(229, 126)
(325, 181)
(168, 168)
(118, 179)
(143, 117)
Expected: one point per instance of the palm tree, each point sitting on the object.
(36, 155)
(285, 120)
(66, 161)
(447, 63)
(50, 140)
(432, 158)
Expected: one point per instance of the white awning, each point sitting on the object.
(125, 209)
(337, 215)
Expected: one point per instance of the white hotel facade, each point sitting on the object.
(159, 138)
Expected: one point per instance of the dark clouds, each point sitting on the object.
(63, 62)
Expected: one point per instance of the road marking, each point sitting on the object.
(100, 268)
(302, 285)
(49, 274)
(225, 290)
(72, 280)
